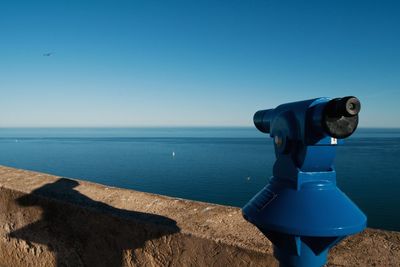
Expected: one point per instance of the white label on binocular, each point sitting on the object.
(333, 141)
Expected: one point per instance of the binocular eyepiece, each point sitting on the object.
(337, 118)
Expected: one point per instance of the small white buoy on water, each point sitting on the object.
(248, 178)
(173, 153)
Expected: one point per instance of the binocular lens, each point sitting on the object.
(262, 120)
(340, 117)
(353, 106)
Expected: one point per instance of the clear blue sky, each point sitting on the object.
(193, 63)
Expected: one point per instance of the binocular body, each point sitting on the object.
(301, 210)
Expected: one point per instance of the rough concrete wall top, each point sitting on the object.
(218, 222)
(186, 220)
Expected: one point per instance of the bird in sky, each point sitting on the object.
(47, 54)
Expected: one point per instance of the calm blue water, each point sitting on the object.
(219, 165)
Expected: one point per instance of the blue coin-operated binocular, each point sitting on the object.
(301, 211)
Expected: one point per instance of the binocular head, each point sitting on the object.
(337, 118)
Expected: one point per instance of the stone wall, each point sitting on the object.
(53, 221)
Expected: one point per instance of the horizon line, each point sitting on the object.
(161, 126)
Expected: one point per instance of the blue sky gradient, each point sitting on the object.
(193, 63)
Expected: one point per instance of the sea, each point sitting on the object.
(218, 165)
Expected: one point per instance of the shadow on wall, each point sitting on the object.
(88, 236)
